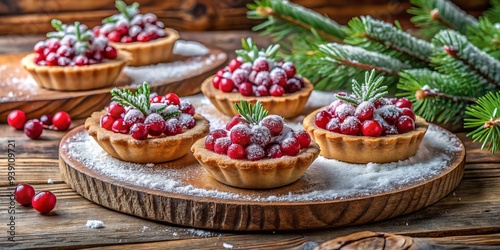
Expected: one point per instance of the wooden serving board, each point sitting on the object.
(245, 214)
(15, 93)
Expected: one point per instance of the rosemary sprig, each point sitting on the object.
(128, 11)
(138, 100)
(250, 51)
(370, 90)
(251, 113)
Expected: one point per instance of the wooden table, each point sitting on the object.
(469, 216)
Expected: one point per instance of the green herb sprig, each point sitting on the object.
(250, 51)
(138, 100)
(370, 90)
(252, 114)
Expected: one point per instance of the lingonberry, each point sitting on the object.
(234, 64)
(16, 119)
(24, 193)
(44, 201)
(276, 90)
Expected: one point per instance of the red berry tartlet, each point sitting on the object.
(143, 35)
(144, 128)
(254, 76)
(72, 58)
(255, 150)
(366, 127)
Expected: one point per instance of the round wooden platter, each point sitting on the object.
(36, 101)
(241, 213)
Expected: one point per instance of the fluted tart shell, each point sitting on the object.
(287, 106)
(152, 150)
(152, 52)
(261, 174)
(364, 149)
(75, 78)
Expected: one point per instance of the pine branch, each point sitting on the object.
(486, 36)
(435, 15)
(139, 100)
(459, 58)
(386, 38)
(285, 19)
(485, 118)
(493, 14)
(436, 97)
(252, 114)
(369, 91)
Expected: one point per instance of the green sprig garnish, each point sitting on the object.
(128, 11)
(251, 113)
(370, 90)
(139, 100)
(250, 51)
(485, 118)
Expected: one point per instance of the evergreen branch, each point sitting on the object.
(369, 91)
(386, 38)
(485, 117)
(460, 58)
(493, 14)
(139, 100)
(435, 15)
(301, 19)
(486, 36)
(252, 114)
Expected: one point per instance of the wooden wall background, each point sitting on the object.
(33, 16)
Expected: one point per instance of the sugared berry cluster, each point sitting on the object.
(43, 202)
(72, 45)
(130, 26)
(255, 73)
(382, 117)
(34, 128)
(166, 115)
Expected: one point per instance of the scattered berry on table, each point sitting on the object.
(44, 202)
(24, 193)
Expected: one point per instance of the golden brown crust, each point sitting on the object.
(152, 150)
(74, 78)
(262, 174)
(363, 149)
(287, 106)
(156, 51)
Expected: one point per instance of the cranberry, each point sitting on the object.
(226, 85)
(236, 151)
(218, 133)
(157, 99)
(53, 44)
(96, 30)
(221, 145)
(187, 108)
(172, 98)
(110, 52)
(240, 134)
(187, 121)
(61, 120)
(127, 39)
(209, 142)
(16, 119)
(364, 111)
(403, 103)
(39, 47)
(24, 193)
(139, 131)
(107, 122)
(350, 126)
(81, 60)
(405, 124)
(173, 127)
(51, 59)
(33, 128)
(246, 89)
(381, 102)
(290, 146)
(278, 76)
(119, 126)
(261, 91)
(65, 51)
(333, 106)
(260, 64)
(274, 123)
(293, 85)
(155, 124)
(216, 81)
(239, 76)
(114, 36)
(303, 137)
(322, 118)
(276, 90)
(262, 78)
(274, 151)
(254, 152)
(289, 69)
(116, 110)
(371, 128)
(333, 125)
(408, 112)
(143, 37)
(260, 135)
(389, 113)
(234, 64)
(345, 110)
(46, 119)
(122, 29)
(220, 72)
(39, 58)
(63, 61)
(133, 116)
(234, 121)
(44, 202)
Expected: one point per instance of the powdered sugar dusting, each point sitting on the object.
(94, 224)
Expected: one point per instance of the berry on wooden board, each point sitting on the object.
(44, 202)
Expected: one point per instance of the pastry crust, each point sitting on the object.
(287, 106)
(152, 52)
(152, 150)
(363, 149)
(261, 174)
(74, 78)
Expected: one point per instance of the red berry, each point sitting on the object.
(333, 125)
(220, 72)
(173, 127)
(234, 121)
(61, 120)
(408, 112)
(303, 137)
(240, 134)
(107, 122)
(114, 36)
(290, 146)
(155, 124)
(143, 37)
(234, 64)
(216, 81)
(350, 126)
(226, 85)
(133, 116)
(119, 126)
(53, 44)
(81, 60)
(33, 128)
(51, 59)
(345, 110)
(96, 30)
(44, 202)
(24, 193)
(403, 103)
(172, 98)
(236, 151)
(46, 119)
(274, 123)
(139, 131)
(39, 47)
(221, 145)
(246, 89)
(289, 69)
(381, 102)
(364, 111)
(254, 152)
(405, 124)
(116, 110)
(261, 91)
(262, 78)
(293, 85)
(274, 151)
(127, 39)
(278, 76)
(39, 57)
(276, 90)
(209, 142)
(261, 135)
(371, 128)
(122, 29)
(239, 76)
(260, 64)
(187, 108)
(390, 113)
(157, 99)
(187, 121)
(218, 133)
(16, 119)
(110, 52)
(322, 118)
